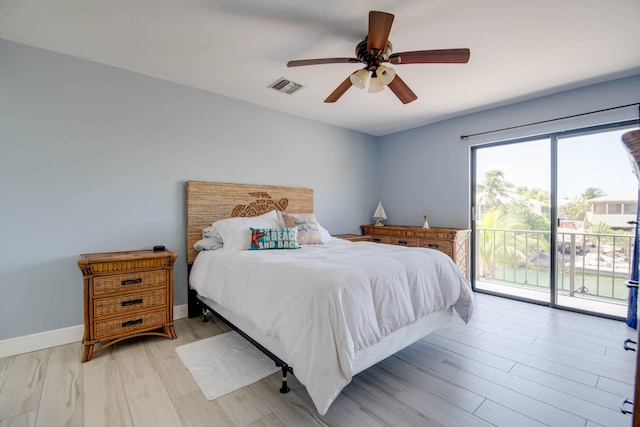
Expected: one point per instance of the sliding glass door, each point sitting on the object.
(550, 219)
(512, 219)
(597, 197)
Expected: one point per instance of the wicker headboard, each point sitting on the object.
(211, 201)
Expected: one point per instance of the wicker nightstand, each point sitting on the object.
(126, 294)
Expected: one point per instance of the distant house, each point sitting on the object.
(615, 210)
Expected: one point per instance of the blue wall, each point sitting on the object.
(94, 158)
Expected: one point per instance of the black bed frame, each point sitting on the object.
(196, 307)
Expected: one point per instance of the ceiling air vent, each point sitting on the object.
(285, 86)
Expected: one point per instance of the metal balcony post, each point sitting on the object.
(572, 265)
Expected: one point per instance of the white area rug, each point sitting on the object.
(225, 363)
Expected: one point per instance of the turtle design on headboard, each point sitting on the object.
(261, 205)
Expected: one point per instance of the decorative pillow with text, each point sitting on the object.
(308, 227)
(274, 238)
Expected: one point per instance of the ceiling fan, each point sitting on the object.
(375, 50)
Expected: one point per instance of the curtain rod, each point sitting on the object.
(547, 121)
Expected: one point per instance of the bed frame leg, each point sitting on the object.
(285, 370)
(194, 307)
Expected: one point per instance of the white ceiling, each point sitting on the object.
(520, 49)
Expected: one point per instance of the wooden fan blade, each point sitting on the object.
(440, 56)
(340, 90)
(302, 62)
(379, 29)
(402, 91)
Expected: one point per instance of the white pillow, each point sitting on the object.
(235, 231)
(207, 244)
(325, 236)
(211, 233)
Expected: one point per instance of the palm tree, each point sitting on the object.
(591, 193)
(493, 190)
(502, 242)
(535, 194)
(577, 208)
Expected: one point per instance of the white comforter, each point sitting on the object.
(325, 302)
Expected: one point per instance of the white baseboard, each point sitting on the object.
(54, 338)
(34, 342)
(180, 311)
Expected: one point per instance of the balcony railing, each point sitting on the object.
(589, 265)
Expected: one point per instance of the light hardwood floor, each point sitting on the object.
(514, 364)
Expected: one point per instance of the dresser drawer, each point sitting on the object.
(131, 323)
(129, 302)
(128, 282)
(394, 240)
(440, 245)
(450, 241)
(402, 241)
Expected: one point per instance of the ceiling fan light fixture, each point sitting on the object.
(375, 50)
(385, 74)
(359, 78)
(375, 85)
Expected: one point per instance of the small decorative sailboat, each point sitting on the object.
(379, 216)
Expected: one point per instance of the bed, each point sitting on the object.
(328, 310)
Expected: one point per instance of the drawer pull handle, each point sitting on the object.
(432, 245)
(626, 344)
(131, 281)
(376, 239)
(131, 323)
(622, 406)
(131, 302)
(402, 242)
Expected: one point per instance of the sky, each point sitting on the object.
(598, 160)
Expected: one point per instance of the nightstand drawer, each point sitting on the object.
(440, 245)
(128, 282)
(122, 304)
(131, 323)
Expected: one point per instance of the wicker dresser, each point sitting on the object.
(126, 294)
(452, 241)
(353, 237)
